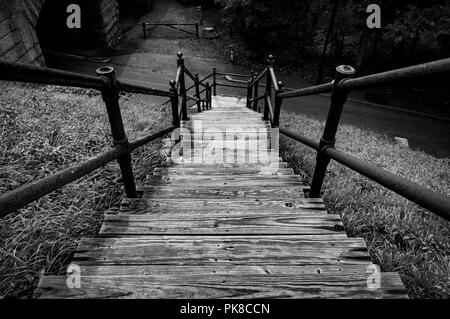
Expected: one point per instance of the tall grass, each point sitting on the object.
(44, 129)
(400, 235)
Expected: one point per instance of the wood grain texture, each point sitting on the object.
(147, 205)
(231, 228)
(218, 171)
(236, 192)
(264, 181)
(224, 286)
(257, 224)
(212, 250)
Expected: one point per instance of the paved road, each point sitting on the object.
(428, 134)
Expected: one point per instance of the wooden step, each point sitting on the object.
(263, 181)
(216, 250)
(282, 223)
(218, 171)
(227, 165)
(224, 230)
(196, 284)
(148, 205)
(236, 192)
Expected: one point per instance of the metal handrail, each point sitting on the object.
(107, 84)
(28, 193)
(318, 89)
(20, 72)
(133, 88)
(172, 25)
(433, 201)
(340, 87)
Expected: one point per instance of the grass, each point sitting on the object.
(400, 235)
(44, 129)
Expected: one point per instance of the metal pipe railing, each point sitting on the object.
(28, 193)
(422, 196)
(110, 96)
(20, 72)
(260, 76)
(133, 88)
(420, 70)
(322, 88)
(273, 77)
(338, 99)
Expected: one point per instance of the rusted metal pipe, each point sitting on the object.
(323, 88)
(28, 193)
(32, 74)
(338, 98)
(125, 86)
(111, 97)
(399, 75)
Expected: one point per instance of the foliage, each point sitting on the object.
(410, 33)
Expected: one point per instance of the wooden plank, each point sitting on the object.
(226, 165)
(229, 177)
(246, 224)
(223, 286)
(235, 192)
(213, 183)
(212, 250)
(146, 205)
(214, 270)
(219, 171)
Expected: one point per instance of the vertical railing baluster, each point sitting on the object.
(255, 94)
(180, 63)
(338, 99)
(110, 96)
(208, 96)
(214, 85)
(278, 102)
(174, 101)
(250, 90)
(268, 93)
(197, 92)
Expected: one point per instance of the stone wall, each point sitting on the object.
(104, 21)
(18, 40)
(18, 20)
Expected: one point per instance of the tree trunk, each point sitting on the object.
(362, 49)
(327, 40)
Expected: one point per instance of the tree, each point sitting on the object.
(327, 40)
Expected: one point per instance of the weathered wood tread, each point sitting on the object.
(211, 226)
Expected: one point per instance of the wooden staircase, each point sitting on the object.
(228, 220)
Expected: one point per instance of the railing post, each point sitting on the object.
(338, 99)
(249, 93)
(180, 63)
(214, 85)
(144, 29)
(197, 92)
(196, 31)
(278, 102)
(111, 97)
(174, 102)
(255, 94)
(268, 93)
(250, 90)
(208, 96)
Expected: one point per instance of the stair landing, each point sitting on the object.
(228, 220)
